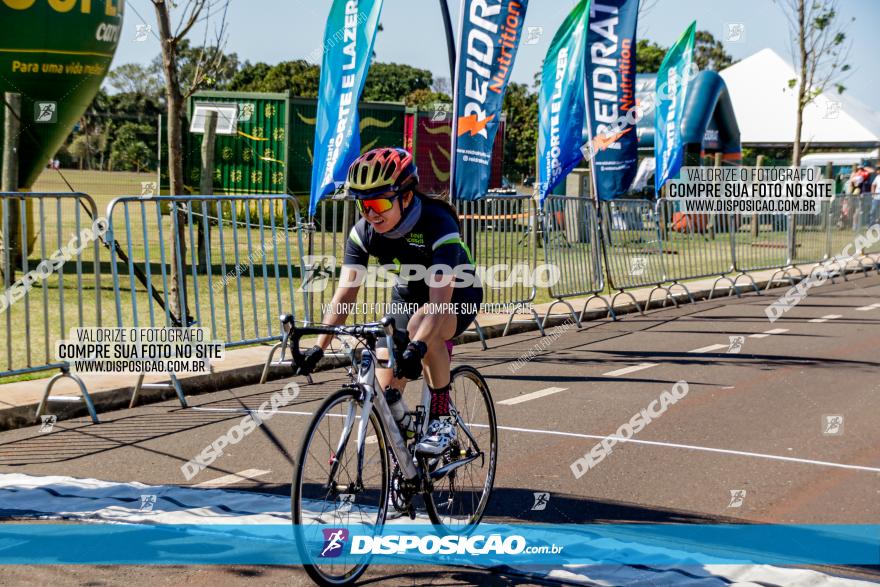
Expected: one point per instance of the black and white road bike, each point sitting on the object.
(355, 463)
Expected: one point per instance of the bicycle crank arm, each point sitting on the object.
(446, 469)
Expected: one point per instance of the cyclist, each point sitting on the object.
(401, 226)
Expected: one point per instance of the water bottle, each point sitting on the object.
(399, 410)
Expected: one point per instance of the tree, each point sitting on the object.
(204, 68)
(130, 150)
(248, 76)
(426, 98)
(87, 145)
(820, 50)
(134, 78)
(646, 6)
(649, 56)
(520, 134)
(389, 82)
(393, 82)
(442, 85)
(300, 77)
(709, 53)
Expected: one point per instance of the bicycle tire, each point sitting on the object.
(431, 499)
(315, 571)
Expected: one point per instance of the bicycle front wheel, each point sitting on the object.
(459, 499)
(330, 489)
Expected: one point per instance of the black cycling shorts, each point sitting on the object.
(470, 296)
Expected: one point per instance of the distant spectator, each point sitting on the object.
(875, 201)
(856, 180)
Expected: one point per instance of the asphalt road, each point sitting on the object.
(787, 430)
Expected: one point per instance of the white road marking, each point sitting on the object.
(530, 396)
(767, 333)
(634, 441)
(710, 348)
(826, 318)
(631, 369)
(231, 479)
(689, 447)
(371, 439)
(866, 308)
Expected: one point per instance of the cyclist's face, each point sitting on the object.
(385, 221)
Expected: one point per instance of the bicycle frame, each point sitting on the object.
(366, 381)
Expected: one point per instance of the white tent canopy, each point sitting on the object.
(766, 108)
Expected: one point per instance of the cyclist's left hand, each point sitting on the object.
(310, 360)
(409, 365)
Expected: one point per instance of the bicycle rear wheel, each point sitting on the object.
(326, 488)
(459, 499)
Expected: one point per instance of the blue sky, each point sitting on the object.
(279, 30)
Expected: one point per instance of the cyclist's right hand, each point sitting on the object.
(409, 365)
(309, 361)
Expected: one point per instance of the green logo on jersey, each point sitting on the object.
(415, 238)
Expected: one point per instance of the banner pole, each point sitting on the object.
(450, 38)
(589, 119)
(453, 70)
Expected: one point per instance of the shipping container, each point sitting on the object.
(254, 159)
(271, 150)
(381, 125)
(428, 136)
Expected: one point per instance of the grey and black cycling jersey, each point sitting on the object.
(434, 240)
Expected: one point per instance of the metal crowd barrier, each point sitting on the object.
(849, 217)
(872, 217)
(237, 271)
(246, 258)
(50, 259)
(570, 236)
(695, 246)
(633, 248)
(811, 242)
(502, 237)
(762, 243)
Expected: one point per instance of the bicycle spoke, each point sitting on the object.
(344, 502)
(460, 498)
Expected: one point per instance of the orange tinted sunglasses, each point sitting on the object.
(376, 205)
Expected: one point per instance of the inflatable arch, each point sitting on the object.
(709, 123)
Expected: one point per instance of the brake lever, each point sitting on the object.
(291, 337)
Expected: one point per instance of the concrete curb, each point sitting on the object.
(21, 416)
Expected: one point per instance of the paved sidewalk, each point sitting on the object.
(19, 400)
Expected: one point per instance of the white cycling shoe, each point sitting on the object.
(441, 433)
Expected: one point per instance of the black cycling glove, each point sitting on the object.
(310, 361)
(409, 365)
